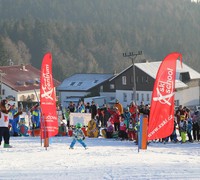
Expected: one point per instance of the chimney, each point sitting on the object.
(115, 72)
(144, 61)
(11, 62)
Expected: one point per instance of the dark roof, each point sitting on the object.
(83, 82)
(22, 77)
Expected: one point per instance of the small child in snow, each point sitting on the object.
(109, 129)
(183, 129)
(78, 136)
(122, 129)
(131, 130)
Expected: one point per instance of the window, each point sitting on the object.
(124, 80)
(142, 96)
(112, 86)
(132, 96)
(177, 103)
(124, 97)
(79, 83)
(72, 83)
(147, 79)
(32, 96)
(3, 92)
(138, 96)
(148, 97)
(101, 88)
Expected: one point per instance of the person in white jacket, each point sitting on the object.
(4, 122)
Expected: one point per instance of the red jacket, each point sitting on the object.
(116, 115)
(122, 126)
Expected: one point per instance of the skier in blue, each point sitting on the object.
(15, 124)
(36, 116)
(78, 136)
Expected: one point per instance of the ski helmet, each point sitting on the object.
(78, 125)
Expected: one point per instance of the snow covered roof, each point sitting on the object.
(83, 82)
(151, 69)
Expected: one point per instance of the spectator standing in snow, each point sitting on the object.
(173, 136)
(4, 122)
(71, 107)
(127, 116)
(81, 107)
(93, 108)
(107, 113)
(131, 129)
(133, 109)
(178, 115)
(189, 129)
(122, 129)
(67, 117)
(196, 125)
(36, 116)
(141, 107)
(183, 128)
(109, 130)
(15, 122)
(115, 117)
(87, 108)
(119, 106)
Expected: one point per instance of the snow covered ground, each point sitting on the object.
(104, 159)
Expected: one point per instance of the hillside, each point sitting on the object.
(91, 36)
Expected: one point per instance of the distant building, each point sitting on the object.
(120, 86)
(19, 83)
(187, 84)
(79, 86)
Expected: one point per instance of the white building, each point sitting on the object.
(20, 83)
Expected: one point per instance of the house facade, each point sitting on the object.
(186, 84)
(123, 84)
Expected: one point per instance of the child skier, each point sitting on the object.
(183, 129)
(122, 129)
(78, 136)
(131, 130)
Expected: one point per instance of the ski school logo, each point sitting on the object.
(165, 87)
(47, 85)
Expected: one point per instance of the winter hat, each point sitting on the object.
(127, 109)
(78, 125)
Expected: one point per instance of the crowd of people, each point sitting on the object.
(117, 121)
(188, 124)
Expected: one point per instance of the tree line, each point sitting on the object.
(91, 36)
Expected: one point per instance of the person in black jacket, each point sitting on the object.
(93, 108)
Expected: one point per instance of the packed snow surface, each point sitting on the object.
(106, 159)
